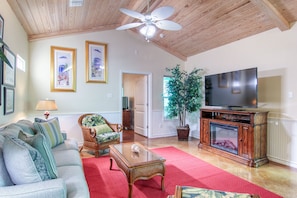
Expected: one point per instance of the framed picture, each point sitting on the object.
(96, 62)
(1, 27)
(63, 69)
(236, 82)
(8, 100)
(9, 71)
(223, 80)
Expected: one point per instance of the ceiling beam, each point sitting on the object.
(34, 37)
(276, 17)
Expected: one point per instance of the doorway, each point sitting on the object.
(135, 89)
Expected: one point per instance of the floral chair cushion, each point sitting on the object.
(106, 137)
(93, 120)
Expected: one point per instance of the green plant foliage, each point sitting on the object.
(2, 55)
(184, 93)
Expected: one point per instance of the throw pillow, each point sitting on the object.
(4, 175)
(51, 130)
(43, 120)
(103, 128)
(40, 143)
(27, 126)
(23, 162)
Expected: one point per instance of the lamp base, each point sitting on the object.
(46, 114)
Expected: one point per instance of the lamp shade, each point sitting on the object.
(46, 105)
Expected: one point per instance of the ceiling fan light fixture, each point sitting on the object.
(148, 31)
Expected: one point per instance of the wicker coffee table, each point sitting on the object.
(137, 165)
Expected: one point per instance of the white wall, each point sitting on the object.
(126, 54)
(16, 38)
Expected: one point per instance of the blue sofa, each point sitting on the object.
(37, 162)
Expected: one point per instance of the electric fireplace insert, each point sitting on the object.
(224, 137)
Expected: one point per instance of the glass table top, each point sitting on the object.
(136, 158)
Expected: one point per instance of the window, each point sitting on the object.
(21, 64)
(165, 97)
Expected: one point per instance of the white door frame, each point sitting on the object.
(149, 97)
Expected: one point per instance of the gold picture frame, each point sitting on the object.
(96, 62)
(63, 69)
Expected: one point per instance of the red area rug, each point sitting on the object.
(181, 169)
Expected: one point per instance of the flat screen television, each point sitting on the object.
(125, 102)
(235, 89)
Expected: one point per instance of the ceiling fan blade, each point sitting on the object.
(132, 13)
(168, 25)
(162, 13)
(128, 26)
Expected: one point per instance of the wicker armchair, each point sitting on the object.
(98, 133)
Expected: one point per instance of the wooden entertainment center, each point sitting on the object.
(251, 129)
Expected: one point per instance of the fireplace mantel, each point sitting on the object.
(252, 134)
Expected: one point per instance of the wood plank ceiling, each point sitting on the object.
(207, 24)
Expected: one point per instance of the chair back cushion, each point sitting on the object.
(93, 120)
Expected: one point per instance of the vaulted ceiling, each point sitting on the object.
(206, 24)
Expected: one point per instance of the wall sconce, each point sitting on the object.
(46, 105)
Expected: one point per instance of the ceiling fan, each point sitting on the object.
(151, 20)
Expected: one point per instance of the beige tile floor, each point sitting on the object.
(277, 178)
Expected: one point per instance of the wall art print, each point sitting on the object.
(9, 72)
(96, 62)
(8, 100)
(1, 27)
(63, 69)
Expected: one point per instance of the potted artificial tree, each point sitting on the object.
(184, 96)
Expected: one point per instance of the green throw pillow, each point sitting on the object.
(51, 130)
(40, 143)
(103, 128)
(23, 162)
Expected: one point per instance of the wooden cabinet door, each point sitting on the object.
(245, 143)
(204, 132)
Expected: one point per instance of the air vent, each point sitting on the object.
(75, 3)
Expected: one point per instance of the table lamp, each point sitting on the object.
(46, 106)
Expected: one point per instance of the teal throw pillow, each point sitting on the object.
(27, 126)
(51, 130)
(40, 143)
(23, 162)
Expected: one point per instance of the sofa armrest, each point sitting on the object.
(49, 188)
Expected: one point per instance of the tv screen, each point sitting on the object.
(232, 89)
(125, 102)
